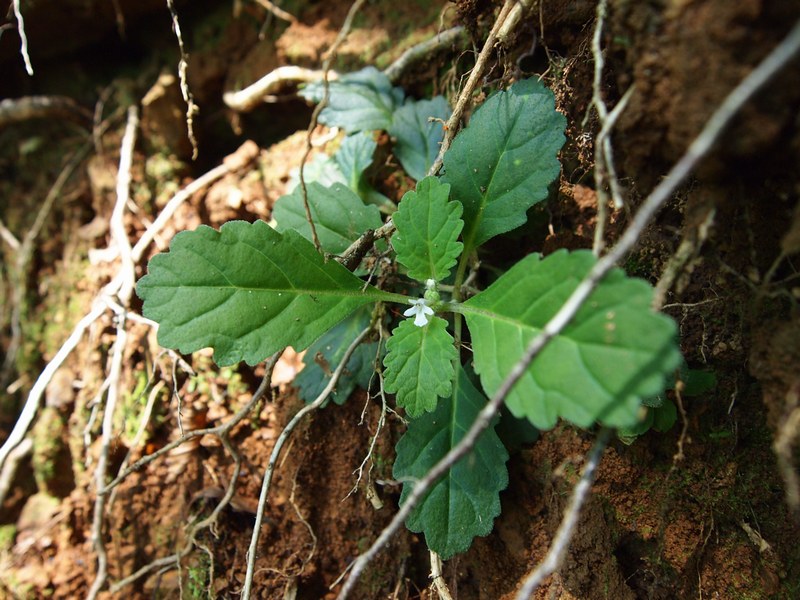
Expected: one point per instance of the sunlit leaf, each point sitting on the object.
(339, 216)
(247, 291)
(428, 226)
(615, 352)
(419, 365)
(504, 161)
(364, 100)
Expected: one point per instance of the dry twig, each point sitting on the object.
(451, 128)
(437, 577)
(183, 65)
(22, 37)
(604, 169)
(326, 66)
(277, 11)
(276, 450)
(580, 493)
(119, 237)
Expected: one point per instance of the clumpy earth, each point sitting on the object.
(701, 511)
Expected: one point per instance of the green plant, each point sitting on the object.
(249, 290)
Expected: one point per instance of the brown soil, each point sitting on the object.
(708, 522)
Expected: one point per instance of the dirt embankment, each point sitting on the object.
(713, 524)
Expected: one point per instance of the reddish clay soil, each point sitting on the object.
(697, 512)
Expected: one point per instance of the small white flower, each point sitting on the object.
(430, 284)
(420, 310)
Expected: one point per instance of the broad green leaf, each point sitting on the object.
(428, 226)
(321, 169)
(346, 166)
(418, 137)
(353, 158)
(515, 433)
(419, 365)
(324, 355)
(615, 351)
(665, 416)
(698, 382)
(247, 291)
(694, 383)
(364, 100)
(503, 162)
(464, 503)
(340, 216)
(661, 418)
(628, 435)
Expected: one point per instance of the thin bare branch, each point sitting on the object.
(223, 432)
(604, 169)
(465, 96)
(276, 450)
(326, 66)
(119, 237)
(270, 84)
(183, 65)
(246, 153)
(451, 128)
(777, 59)
(10, 467)
(23, 38)
(276, 10)
(267, 88)
(563, 536)
(422, 51)
(437, 577)
(37, 391)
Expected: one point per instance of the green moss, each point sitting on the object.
(197, 577)
(7, 535)
(48, 436)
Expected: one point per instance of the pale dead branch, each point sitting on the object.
(252, 551)
(22, 37)
(552, 560)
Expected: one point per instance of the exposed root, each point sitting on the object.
(183, 65)
(688, 249)
(276, 10)
(22, 37)
(604, 170)
(270, 85)
(326, 67)
(783, 445)
(437, 578)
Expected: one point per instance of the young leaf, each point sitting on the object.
(428, 225)
(418, 137)
(419, 365)
(346, 166)
(324, 355)
(322, 169)
(615, 351)
(502, 163)
(339, 215)
(247, 291)
(464, 503)
(358, 101)
(353, 158)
